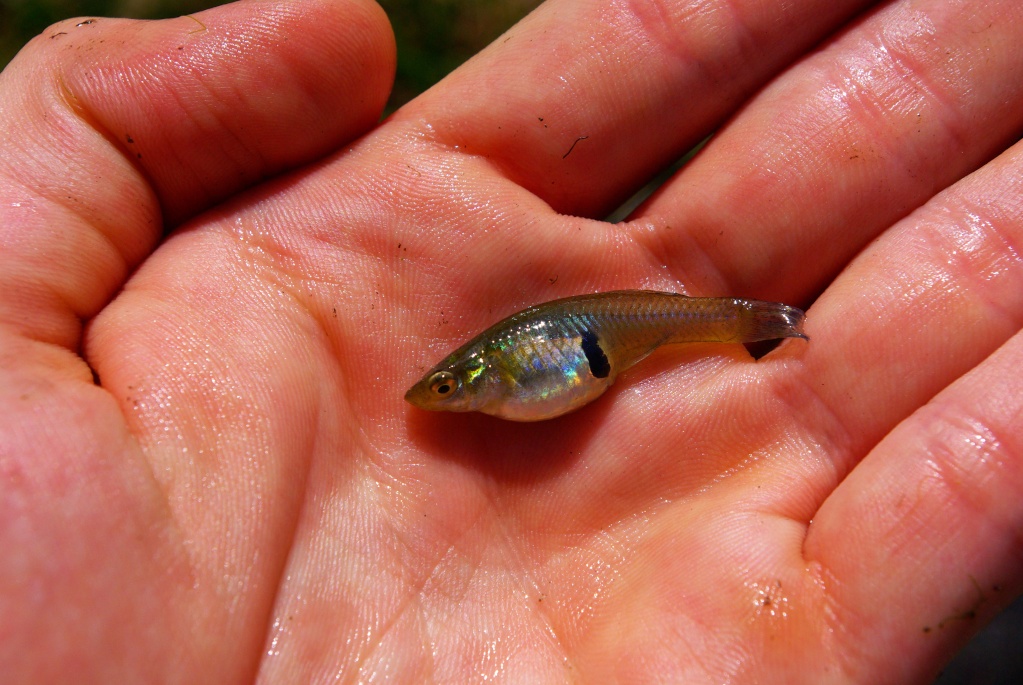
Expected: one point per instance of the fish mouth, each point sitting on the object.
(412, 396)
(419, 396)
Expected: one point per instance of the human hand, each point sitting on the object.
(243, 492)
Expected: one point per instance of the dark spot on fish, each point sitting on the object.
(600, 367)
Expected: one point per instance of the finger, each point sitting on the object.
(211, 523)
(583, 102)
(926, 303)
(840, 147)
(926, 530)
(107, 125)
(222, 99)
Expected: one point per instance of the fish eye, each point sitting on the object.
(443, 383)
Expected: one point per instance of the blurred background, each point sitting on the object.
(435, 36)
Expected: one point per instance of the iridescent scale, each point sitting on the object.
(552, 358)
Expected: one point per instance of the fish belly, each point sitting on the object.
(546, 376)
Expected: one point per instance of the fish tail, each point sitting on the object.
(770, 321)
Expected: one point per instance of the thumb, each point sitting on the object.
(210, 103)
(114, 126)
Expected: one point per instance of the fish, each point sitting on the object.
(553, 358)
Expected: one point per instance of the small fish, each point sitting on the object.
(553, 358)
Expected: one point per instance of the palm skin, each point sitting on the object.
(209, 474)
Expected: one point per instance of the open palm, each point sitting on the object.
(209, 475)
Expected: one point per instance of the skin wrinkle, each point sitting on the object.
(653, 242)
(845, 660)
(56, 198)
(862, 101)
(956, 265)
(222, 119)
(402, 529)
(195, 77)
(992, 233)
(843, 652)
(853, 653)
(533, 585)
(870, 107)
(410, 597)
(659, 26)
(949, 472)
(80, 111)
(796, 394)
(928, 85)
(544, 612)
(70, 321)
(662, 26)
(420, 596)
(193, 171)
(841, 648)
(262, 271)
(60, 198)
(836, 437)
(267, 258)
(866, 657)
(709, 665)
(65, 292)
(280, 585)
